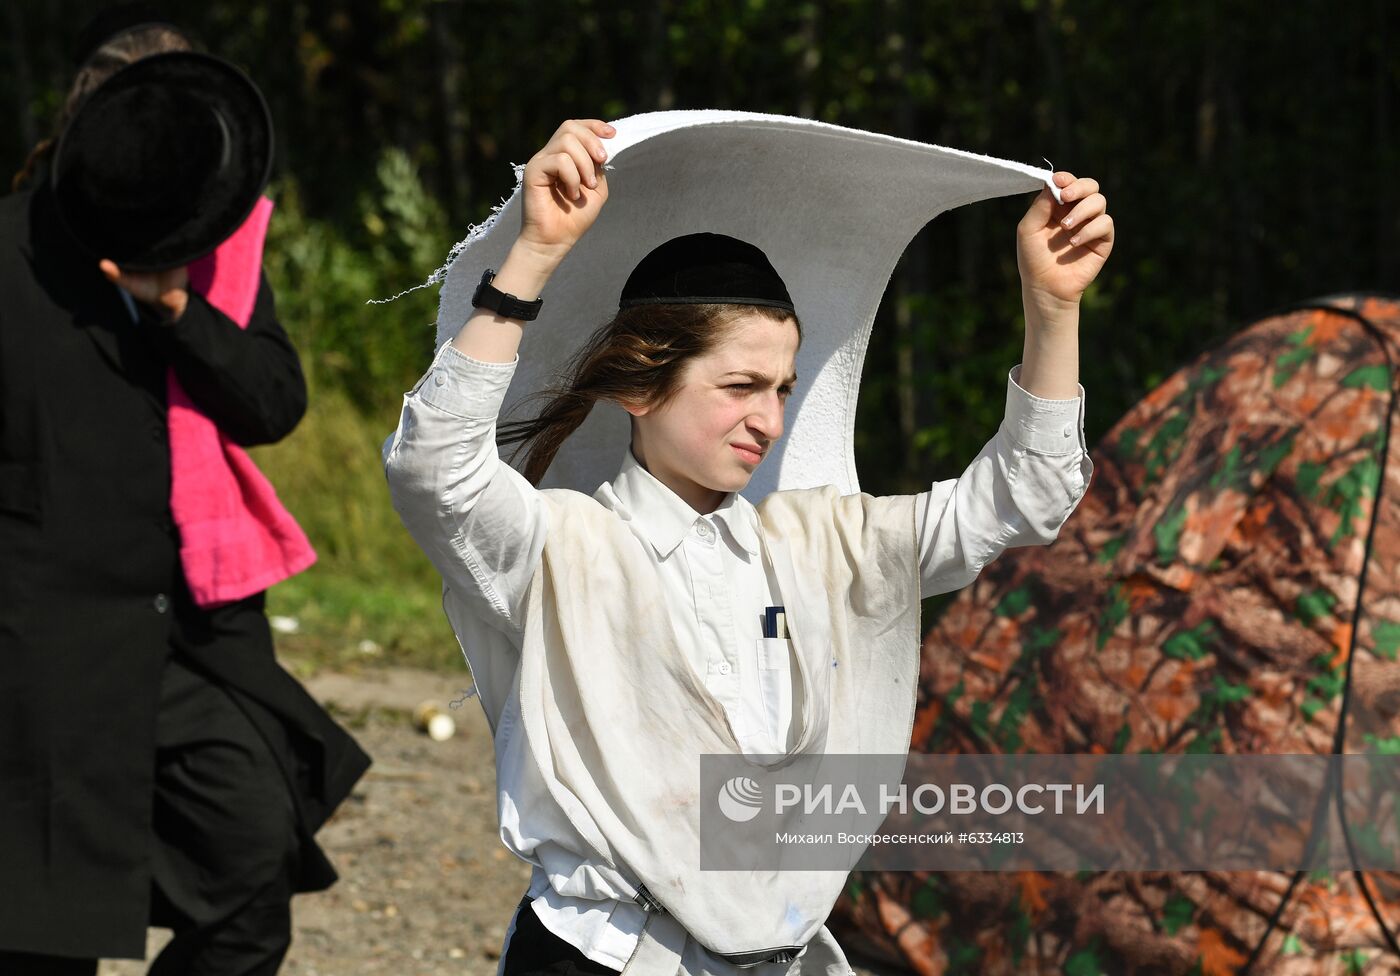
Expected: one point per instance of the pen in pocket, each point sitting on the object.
(774, 622)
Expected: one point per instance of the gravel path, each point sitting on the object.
(426, 888)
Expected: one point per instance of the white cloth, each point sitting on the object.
(482, 526)
(833, 208)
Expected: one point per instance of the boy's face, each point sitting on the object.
(726, 414)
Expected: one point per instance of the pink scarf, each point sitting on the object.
(236, 539)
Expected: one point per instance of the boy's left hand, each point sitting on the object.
(1060, 247)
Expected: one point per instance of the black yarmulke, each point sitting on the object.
(706, 268)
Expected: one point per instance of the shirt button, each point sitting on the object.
(703, 530)
(157, 434)
(1068, 431)
(161, 603)
(724, 667)
(439, 379)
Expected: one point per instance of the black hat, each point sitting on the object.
(705, 268)
(163, 161)
(112, 22)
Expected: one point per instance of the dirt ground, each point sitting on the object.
(426, 888)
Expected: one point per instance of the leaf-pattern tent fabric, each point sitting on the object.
(1229, 584)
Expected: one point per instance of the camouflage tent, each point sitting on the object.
(1229, 584)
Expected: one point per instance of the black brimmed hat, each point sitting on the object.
(163, 161)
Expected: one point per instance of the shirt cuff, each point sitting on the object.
(465, 387)
(1043, 426)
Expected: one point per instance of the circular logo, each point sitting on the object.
(740, 799)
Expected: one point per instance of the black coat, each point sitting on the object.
(92, 593)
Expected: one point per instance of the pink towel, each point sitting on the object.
(236, 539)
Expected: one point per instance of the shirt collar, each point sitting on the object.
(664, 518)
(741, 519)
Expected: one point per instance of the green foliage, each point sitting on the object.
(1270, 456)
(1325, 685)
(1377, 377)
(954, 693)
(1167, 533)
(1314, 604)
(1166, 444)
(1121, 739)
(1387, 638)
(1114, 613)
(1382, 746)
(1014, 603)
(1192, 644)
(1215, 700)
(1086, 961)
(977, 719)
(1222, 693)
(371, 582)
(1298, 352)
(1347, 492)
(396, 121)
(1309, 474)
(962, 957)
(324, 276)
(1109, 550)
(928, 901)
(1228, 475)
(1018, 706)
(1177, 912)
(1354, 960)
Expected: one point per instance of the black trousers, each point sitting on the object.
(223, 846)
(533, 949)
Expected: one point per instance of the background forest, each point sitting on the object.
(1249, 153)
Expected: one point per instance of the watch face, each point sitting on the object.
(482, 287)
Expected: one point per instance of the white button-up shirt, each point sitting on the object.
(481, 524)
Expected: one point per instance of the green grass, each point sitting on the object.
(338, 613)
(371, 582)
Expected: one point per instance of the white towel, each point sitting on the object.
(833, 208)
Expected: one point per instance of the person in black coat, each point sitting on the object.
(157, 766)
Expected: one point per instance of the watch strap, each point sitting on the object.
(488, 296)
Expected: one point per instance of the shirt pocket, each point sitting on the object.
(775, 671)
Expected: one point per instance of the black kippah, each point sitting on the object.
(706, 268)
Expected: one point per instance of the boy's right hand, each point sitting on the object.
(565, 187)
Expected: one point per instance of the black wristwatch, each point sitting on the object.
(507, 306)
